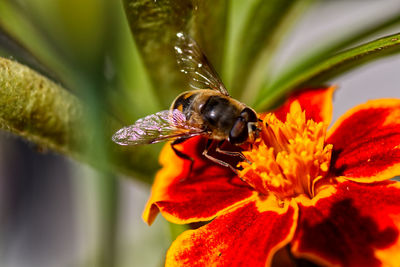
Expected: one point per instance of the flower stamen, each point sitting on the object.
(289, 157)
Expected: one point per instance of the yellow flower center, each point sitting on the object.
(289, 157)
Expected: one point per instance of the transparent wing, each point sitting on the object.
(195, 64)
(161, 126)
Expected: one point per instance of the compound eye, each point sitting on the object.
(239, 132)
(248, 115)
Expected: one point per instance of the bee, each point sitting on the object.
(206, 110)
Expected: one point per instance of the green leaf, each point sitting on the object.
(154, 25)
(39, 110)
(209, 29)
(317, 55)
(23, 29)
(328, 69)
(10, 46)
(84, 26)
(265, 25)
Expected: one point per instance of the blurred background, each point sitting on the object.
(55, 211)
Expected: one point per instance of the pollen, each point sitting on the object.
(289, 157)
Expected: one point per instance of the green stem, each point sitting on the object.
(42, 112)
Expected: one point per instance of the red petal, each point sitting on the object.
(356, 226)
(206, 192)
(246, 236)
(366, 142)
(316, 102)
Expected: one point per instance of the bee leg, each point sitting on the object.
(218, 161)
(181, 154)
(231, 153)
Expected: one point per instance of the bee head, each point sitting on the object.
(245, 123)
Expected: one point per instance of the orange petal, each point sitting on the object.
(246, 236)
(199, 196)
(356, 226)
(316, 102)
(366, 142)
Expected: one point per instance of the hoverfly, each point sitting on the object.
(207, 110)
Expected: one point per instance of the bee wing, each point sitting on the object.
(195, 64)
(161, 126)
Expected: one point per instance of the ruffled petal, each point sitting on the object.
(358, 225)
(246, 236)
(366, 142)
(316, 102)
(207, 191)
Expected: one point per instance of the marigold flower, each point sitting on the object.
(325, 195)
